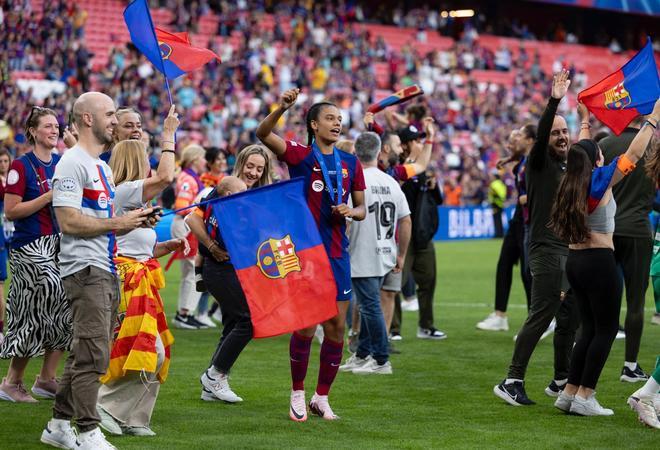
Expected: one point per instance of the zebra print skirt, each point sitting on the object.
(38, 314)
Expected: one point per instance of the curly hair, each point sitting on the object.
(652, 165)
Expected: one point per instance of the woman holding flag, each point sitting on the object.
(139, 360)
(583, 215)
(330, 176)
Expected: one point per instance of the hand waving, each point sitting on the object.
(288, 98)
(560, 84)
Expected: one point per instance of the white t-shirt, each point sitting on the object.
(137, 244)
(373, 248)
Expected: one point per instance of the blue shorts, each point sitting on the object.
(341, 268)
(3, 263)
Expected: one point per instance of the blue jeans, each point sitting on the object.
(373, 335)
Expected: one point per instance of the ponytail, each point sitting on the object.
(313, 114)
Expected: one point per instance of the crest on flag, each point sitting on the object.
(617, 97)
(277, 257)
(165, 50)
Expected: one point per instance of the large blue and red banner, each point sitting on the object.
(170, 53)
(625, 94)
(277, 252)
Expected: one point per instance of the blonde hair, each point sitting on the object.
(191, 153)
(346, 145)
(242, 157)
(128, 161)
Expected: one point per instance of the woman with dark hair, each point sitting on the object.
(330, 175)
(38, 315)
(583, 215)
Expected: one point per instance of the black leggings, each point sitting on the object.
(596, 284)
(512, 253)
(223, 284)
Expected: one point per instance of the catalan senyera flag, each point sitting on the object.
(279, 258)
(170, 53)
(625, 94)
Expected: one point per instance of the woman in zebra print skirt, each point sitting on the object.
(38, 315)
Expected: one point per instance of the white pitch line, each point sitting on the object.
(487, 305)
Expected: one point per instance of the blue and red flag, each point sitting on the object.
(170, 53)
(625, 94)
(401, 96)
(277, 252)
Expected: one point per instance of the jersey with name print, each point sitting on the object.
(84, 182)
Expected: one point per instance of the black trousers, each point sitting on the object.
(512, 252)
(597, 287)
(633, 256)
(223, 284)
(497, 221)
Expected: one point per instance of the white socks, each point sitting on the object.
(630, 365)
(649, 390)
(512, 380)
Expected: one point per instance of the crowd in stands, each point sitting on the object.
(326, 53)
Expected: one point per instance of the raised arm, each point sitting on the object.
(164, 175)
(585, 126)
(421, 161)
(265, 129)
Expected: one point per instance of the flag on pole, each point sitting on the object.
(279, 258)
(630, 91)
(170, 53)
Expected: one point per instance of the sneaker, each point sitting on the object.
(589, 407)
(200, 286)
(655, 320)
(219, 386)
(319, 334)
(373, 368)
(44, 388)
(411, 305)
(396, 336)
(645, 411)
(94, 440)
(553, 389)
(208, 396)
(204, 319)
(512, 393)
(550, 330)
(320, 406)
(15, 393)
(430, 333)
(494, 323)
(108, 422)
(138, 431)
(633, 376)
(621, 334)
(354, 362)
(564, 401)
(59, 433)
(217, 315)
(186, 322)
(297, 406)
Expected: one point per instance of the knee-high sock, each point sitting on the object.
(299, 348)
(330, 359)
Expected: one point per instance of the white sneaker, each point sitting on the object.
(320, 406)
(430, 333)
(59, 433)
(217, 315)
(621, 334)
(205, 320)
(655, 319)
(354, 362)
(319, 334)
(589, 407)
(494, 323)
(218, 385)
(564, 401)
(94, 440)
(297, 406)
(372, 367)
(645, 410)
(411, 305)
(108, 423)
(550, 330)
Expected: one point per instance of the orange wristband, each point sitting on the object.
(625, 165)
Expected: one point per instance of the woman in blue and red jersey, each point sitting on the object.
(38, 316)
(330, 175)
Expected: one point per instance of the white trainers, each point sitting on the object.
(411, 305)
(354, 362)
(645, 410)
(589, 407)
(373, 368)
(218, 385)
(217, 315)
(59, 433)
(94, 440)
(494, 323)
(550, 330)
(205, 320)
(320, 406)
(655, 319)
(430, 333)
(108, 422)
(297, 406)
(564, 401)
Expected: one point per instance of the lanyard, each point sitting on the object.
(43, 188)
(326, 174)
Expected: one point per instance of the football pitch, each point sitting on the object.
(440, 395)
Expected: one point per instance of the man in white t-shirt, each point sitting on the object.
(83, 198)
(374, 254)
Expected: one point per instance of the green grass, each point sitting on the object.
(440, 395)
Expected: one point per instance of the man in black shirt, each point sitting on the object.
(633, 242)
(547, 256)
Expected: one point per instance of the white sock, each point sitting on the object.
(649, 390)
(61, 423)
(561, 382)
(213, 372)
(511, 380)
(630, 365)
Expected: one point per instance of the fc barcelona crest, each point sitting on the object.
(617, 97)
(277, 257)
(165, 50)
